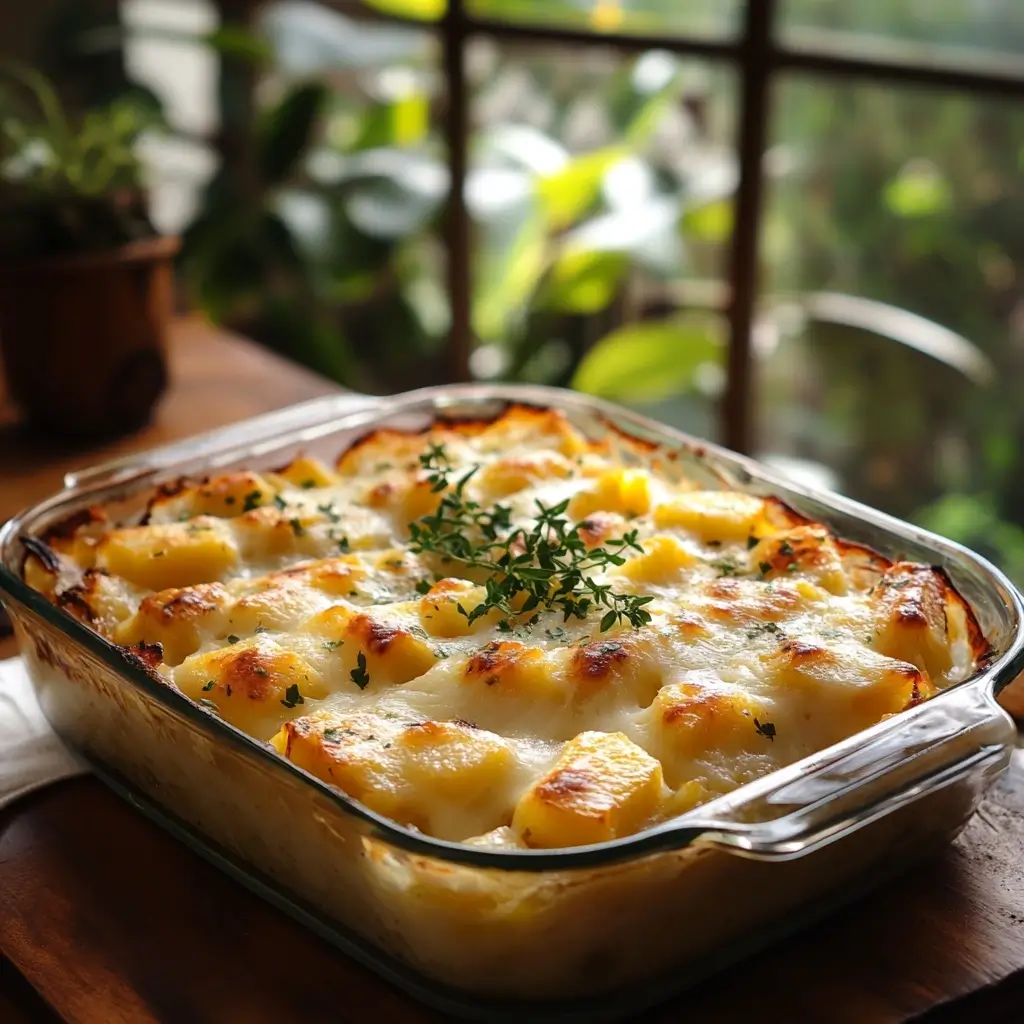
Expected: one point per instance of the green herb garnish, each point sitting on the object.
(232, 639)
(546, 566)
(251, 501)
(209, 686)
(359, 674)
(328, 511)
(766, 729)
(292, 696)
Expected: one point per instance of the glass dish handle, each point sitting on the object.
(941, 742)
(269, 426)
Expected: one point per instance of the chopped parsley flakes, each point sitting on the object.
(292, 696)
(359, 674)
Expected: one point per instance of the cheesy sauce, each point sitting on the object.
(292, 605)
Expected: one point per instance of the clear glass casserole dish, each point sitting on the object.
(579, 933)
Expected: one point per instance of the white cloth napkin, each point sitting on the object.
(31, 755)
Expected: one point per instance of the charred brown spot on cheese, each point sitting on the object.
(382, 494)
(372, 635)
(696, 702)
(151, 655)
(399, 445)
(749, 601)
(503, 661)
(599, 526)
(803, 548)
(251, 673)
(564, 785)
(597, 660)
(184, 603)
(495, 655)
(782, 516)
(171, 489)
(801, 651)
(690, 625)
(84, 521)
(449, 585)
(75, 601)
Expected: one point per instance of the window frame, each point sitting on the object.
(758, 58)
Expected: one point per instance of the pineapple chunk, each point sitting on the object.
(228, 495)
(910, 618)
(439, 609)
(701, 716)
(444, 778)
(308, 473)
(808, 550)
(164, 555)
(842, 688)
(712, 515)
(173, 618)
(508, 476)
(512, 669)
(253, 684)
(627, 491)
(602, 787)
(662, 562)
(390, 654)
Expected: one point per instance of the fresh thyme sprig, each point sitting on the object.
(546, 566)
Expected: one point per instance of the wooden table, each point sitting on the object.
(104, 919)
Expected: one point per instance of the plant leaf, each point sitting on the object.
(416, 10)
(514, 257)
(646, 362)
(583, 281)
(288, 130)
(709, 222)
(571, 191)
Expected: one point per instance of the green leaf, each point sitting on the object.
(514, 257)
(918, 190)
(709, 222)
(239, 42)
(568, 193)
(288, 130)
(648, 233)
(650, 361)
(415, 10)
(583, 282)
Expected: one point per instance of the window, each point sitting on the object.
(795, 226)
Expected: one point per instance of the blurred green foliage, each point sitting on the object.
(600, 189)
(68, 183)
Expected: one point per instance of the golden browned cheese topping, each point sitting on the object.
(506, 634)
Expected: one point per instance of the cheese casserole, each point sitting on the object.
(504, 634)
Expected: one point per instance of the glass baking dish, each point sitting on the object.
(592, 933)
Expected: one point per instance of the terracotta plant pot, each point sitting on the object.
(84, 337)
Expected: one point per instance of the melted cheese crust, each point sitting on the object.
(289, 604)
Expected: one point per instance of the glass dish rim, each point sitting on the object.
(991, 677)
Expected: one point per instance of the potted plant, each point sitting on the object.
(85, 280)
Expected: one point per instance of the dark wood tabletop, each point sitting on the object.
(104, 919)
